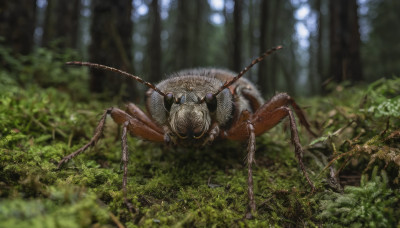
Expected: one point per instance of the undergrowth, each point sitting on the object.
(46, 113)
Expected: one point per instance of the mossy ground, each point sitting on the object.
(45, 119)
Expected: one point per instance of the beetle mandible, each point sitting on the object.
(195, 107)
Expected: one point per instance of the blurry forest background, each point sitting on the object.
(326, 42)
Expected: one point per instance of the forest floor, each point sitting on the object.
(46, 113)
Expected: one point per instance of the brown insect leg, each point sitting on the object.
(125, 158)
(263, 121)
(212, 134)
(296, 142)
(277, 101)
(239, 129)
(267, 120)
(274, 118)
(136, 127)
(93, 140)
(250, 160)
(136, 112)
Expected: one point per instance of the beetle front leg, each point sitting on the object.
(246, 129)
(251, 148)
(137, 113)
(136, 127)
(125, 158)
(97, 134)
(212, 134)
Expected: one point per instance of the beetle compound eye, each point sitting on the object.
(211, 102)
(168, 100)
(182, 99)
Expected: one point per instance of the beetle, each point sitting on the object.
(198, 106)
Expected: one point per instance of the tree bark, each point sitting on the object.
(17, 24)
(345, 61)
(320, 56)
(111, 44)
(262, 66)
(67, 23)
(274, 58)
(48, 25)
(61, 24)
(198, 33)
(154, 47)
(237, 36)
(251, 35)
(182, 33)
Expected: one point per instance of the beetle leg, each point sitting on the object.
(267, 116)
(93, 140)
(238, 131)
(279, 100)
(268, 120)
(136, 112)
(136, 127)
(125, 158)
(246, 129)
(296, 142)
(251, 147)
(213, 133)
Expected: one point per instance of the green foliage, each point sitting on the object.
(45, 68)
(384, 98)
(372, 204)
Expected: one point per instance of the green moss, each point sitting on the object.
(42, 121)
(65, 206)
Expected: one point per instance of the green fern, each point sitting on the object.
(384, 99)
(370, 205)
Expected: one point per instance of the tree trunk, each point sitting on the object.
(312, 64)
(262, 66)
(67, 23)
(354, 65)
(251, 35)
(17, 24)
(182, 33)
(315, 51)
(274, 61)
(154, 47)
(198, 34)
(48, 25)
(320, 57)
(111, 44)
(237, 36)
(61, 23)
(345, 62)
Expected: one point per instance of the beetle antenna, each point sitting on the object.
(103, 67)
(254, 62)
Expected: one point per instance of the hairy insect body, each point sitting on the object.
(189, 120)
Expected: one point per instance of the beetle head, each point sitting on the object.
(189, 108)
(188, 118)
